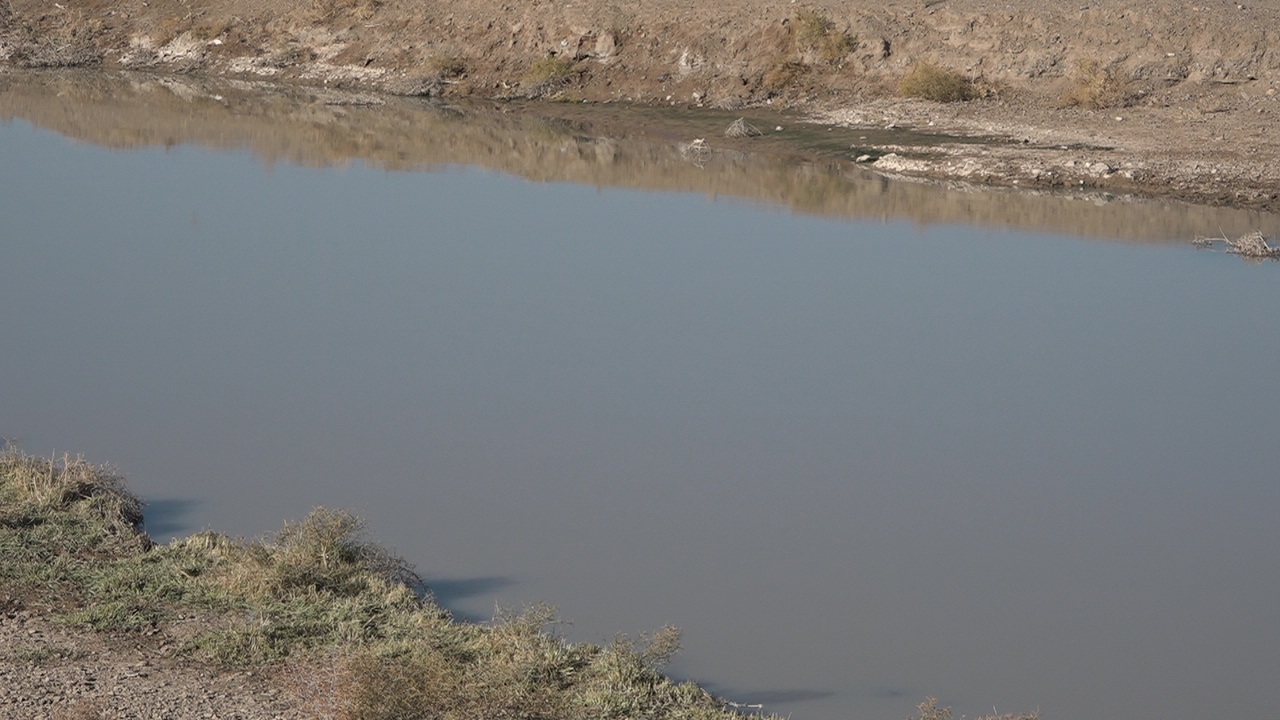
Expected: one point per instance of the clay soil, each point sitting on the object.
(1145, 96)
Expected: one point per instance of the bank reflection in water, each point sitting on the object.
(606, 146)
(858, 462)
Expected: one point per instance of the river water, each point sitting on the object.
(864, 441)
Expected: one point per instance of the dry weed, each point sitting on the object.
(210, 29)
(1251, 246)
(928, 81)
(817, 32)
(1096, 87)
(168, 29)
(326, 11)
(548, 69)
(783, 75)
(930, 710)
(447, 66)
(740, 128)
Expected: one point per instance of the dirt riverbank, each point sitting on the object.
(1159, 98)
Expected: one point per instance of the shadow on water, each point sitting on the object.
(451, 592)
(167, 517)
(767, 698)
(601, 145)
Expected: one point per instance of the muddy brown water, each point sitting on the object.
(864, 441)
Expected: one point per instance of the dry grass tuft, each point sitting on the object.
(930, 710)
(817, 32)
(33, 487)
(215, 28)
(447, 66)
(783, 75)
(1096, 87)
(934, 82)
(327, 11)
(1251, 246)
(548, 69)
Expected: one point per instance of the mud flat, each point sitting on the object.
(1169, 99)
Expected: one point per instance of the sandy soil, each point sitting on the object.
(1191, 112)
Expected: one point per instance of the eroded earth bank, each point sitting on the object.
(1176, 99)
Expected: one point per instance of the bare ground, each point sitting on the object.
(1189, 107)
(51, 672)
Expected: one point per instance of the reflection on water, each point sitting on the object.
(601, 145)
(857, 461)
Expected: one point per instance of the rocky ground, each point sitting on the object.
(1156, 97)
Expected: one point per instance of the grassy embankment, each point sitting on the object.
(71, 546)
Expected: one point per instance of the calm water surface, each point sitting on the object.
(858, 462)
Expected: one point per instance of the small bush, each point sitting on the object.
(783, 75)
(210, 29)
(548, 69)
(447, 66)
(1096, 87)
(934, 82)
(817, 32)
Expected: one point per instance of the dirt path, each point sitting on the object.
(50, 672)
(1150, 96)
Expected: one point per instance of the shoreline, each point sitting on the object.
(99, 622)
(804, 168)
(1189, 110)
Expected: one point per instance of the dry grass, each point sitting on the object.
(930, 710)
(362, 641)
(35, 488)
(929, 81)
(817, 32)
(783, 75)
(326, 11)
(740, 128)
(168, 29)
(1251, 246)
(447, 66)
(548, 69)
(1095, 86)
(210, 29)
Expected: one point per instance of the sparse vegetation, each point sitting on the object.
(1095, 86)
(930, 710)
(929, 81)
(1251, 246)
(548, 69)
(783, 75)
(210, 29)
(362, 642)
(817, 32)
(740, 128)
(447, 66)
(326, 11)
